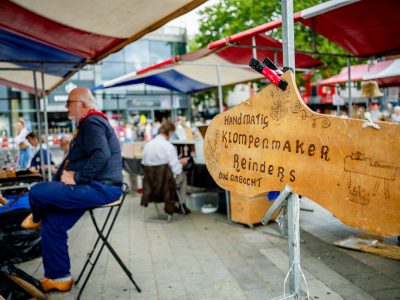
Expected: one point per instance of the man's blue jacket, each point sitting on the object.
(95, 153)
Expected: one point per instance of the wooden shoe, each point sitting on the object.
(51, 285)
(28, 223)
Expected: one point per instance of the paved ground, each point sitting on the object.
(200, 256)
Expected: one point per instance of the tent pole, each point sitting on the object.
(46, 123)
(118, 110)
(220, 100)
(288, 61)
(288, 34)
(313, 27)
(349, 87)
(220, 103)
(37, 104)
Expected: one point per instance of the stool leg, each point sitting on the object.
(106, 243)
(94, 248)
(90, 272)
(116, 256)
(100, 233)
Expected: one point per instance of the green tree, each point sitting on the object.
(232, 16)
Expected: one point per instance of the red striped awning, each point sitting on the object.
(387, 73)
(74, 32)
(363, 28)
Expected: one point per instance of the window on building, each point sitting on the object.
(132, 67)
(87, 73)
(115, 57)
(138, 54)
(159, 51)
(178, 48)
(111, 70)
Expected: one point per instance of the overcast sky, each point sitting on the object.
(191, 19)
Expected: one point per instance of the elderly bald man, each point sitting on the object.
(89, 176)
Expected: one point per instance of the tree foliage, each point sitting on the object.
(228, 17)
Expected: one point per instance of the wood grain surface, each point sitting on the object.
(345, 165)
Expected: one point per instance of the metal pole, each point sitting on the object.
(220, 104)
(276, 58)
(189, 108)
(313, 30)
(297, 51)
(172, 103)
(349, 88)
(46, 123)
(220, 100)
(118, 110)
(294, 245)
(288, 34)
(253, 42)
(37, 104)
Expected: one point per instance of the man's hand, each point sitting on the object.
(3, 201)
(67, 177)
(184, 161)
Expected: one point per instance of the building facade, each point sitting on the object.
(118, 103)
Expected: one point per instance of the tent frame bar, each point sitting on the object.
(228, 65)
(296, 51)
(48, 62)
(36, 69)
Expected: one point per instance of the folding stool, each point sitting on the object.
(103, 235)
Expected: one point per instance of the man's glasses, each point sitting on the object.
(70, 101)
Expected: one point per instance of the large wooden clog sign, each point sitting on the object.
(274, 139)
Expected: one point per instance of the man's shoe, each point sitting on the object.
(51, 285)
(28, 223)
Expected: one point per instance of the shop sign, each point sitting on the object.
(348, 166)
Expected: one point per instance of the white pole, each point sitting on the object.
(349, 87)
(288, 34)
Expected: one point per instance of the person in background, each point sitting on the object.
(156, 126)
(90, 176)
(65, 143)
(160, 151)
(147, 132)
(35, 160)
(375, 113)
(359, 112)
(387, 113)
(24, 148)
(396, 114)
(128, 133)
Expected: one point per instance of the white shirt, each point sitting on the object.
(128, 133)
(159, 151)
(21, 137)
(37, 149)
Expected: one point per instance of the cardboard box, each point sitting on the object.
(249, 210)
